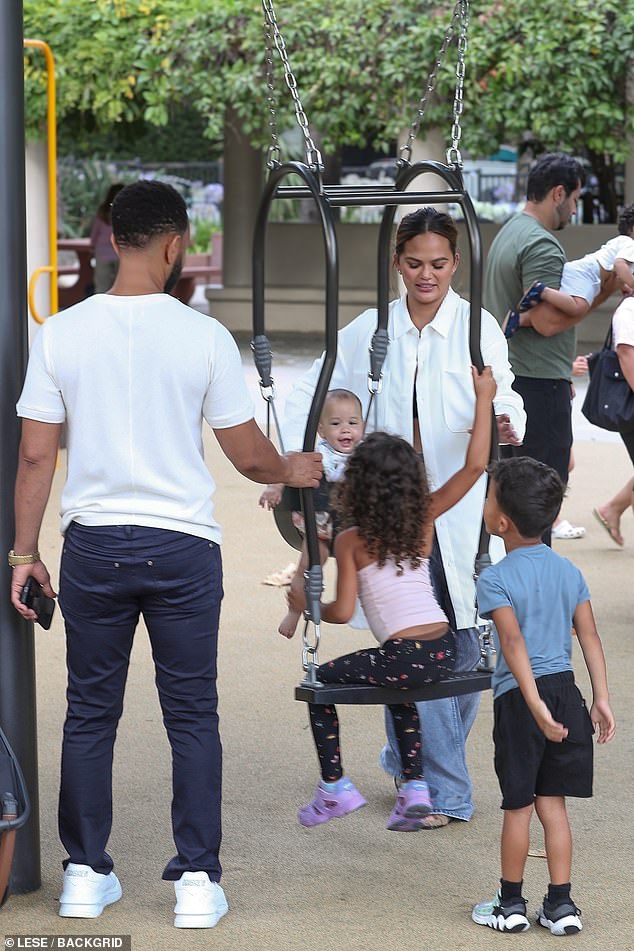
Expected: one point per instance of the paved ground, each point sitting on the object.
(350, 884)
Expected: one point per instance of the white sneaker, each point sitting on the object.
(86, 893)
(200, 903)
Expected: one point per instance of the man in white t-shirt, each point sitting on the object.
(132, 374)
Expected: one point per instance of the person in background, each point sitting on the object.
(562, 529)
(585, 283)
(526, 250)
(609, 514)
(106, 258)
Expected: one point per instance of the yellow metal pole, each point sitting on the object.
(51, 128)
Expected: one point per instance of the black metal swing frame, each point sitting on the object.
(326, 198)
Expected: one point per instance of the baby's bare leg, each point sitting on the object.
(288, 624)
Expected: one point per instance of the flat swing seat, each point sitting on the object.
(453, 685)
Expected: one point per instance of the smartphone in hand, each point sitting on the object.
(33, 597)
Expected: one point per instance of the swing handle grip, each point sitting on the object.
(313, 588)
(263, 359)
(378, 353)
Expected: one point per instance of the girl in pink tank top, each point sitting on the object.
(387, 513)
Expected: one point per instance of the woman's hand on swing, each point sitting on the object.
(272, 496)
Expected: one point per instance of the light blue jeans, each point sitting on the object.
(445, 726)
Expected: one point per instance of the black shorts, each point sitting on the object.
(529, 765)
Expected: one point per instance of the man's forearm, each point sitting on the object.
(37, 457)
(256, 457)
(548, 320)
(32, 489)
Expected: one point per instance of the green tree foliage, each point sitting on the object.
(554, 74)
(553, 71)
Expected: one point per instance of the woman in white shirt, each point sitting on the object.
(609, 514)
(427, 398)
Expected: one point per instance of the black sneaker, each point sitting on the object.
(508, 917)
(564, 918)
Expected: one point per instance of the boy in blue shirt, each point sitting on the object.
(542, 730)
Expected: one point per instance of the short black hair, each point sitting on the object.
(146, 210)
(626, 220)
(555, 168)
(529, 492)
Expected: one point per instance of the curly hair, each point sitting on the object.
(384, 494)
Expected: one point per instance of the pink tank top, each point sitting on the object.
(394, 599)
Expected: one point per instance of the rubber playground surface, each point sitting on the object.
(349, 884)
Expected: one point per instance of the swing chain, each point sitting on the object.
(309, 651)
(460, 15)
(453, 154)
(313, 155)
(487, 647)
(273, 159)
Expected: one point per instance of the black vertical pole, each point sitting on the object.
(17, 654)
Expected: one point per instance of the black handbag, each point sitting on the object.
(609, 400)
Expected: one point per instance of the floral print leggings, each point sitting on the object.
(402, 662)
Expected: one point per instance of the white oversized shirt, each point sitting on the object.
(438, 358)
(133, 378)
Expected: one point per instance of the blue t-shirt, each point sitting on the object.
(544, 590)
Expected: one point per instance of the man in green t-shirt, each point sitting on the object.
(525, 250)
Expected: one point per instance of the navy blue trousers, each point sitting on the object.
(110, 576)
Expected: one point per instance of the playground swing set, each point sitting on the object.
(326, 198)
(14, 800)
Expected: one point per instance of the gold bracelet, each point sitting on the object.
(15, 560)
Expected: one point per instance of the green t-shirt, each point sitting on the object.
(523, 252)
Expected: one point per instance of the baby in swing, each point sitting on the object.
(386, 513)
(340, 430)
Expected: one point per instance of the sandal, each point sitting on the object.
(511, 323)
(436, 820)
(612, 530)
(532, 297)
(566, 530)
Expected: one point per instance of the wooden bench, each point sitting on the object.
(453, 685)
(198, 269)
(196, 272)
